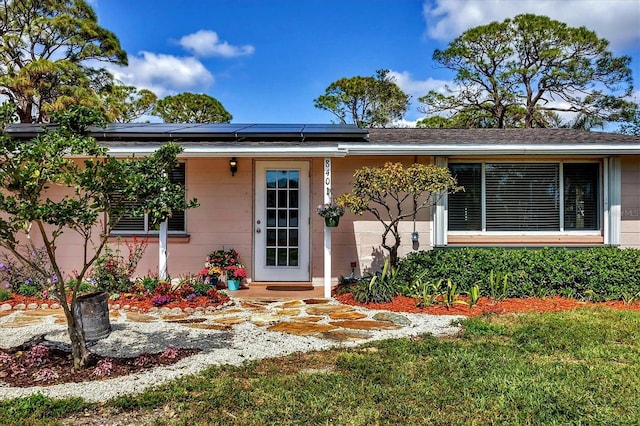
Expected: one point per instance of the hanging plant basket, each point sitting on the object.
(332, 222)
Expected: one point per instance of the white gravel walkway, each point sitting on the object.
(243, 342)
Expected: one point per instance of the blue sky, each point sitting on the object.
(267, 60)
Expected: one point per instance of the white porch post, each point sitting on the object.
(162, 250)
(439, 232)
(613, 211)
(327, 230)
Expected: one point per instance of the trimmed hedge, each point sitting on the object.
(599, 274)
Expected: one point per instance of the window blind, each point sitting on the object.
(465, 207)
(522, 197)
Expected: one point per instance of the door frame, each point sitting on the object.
(262, 272)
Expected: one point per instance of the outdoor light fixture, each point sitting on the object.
(415, 240)
(233, 165)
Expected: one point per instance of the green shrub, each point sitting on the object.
(150, 283)
(27, 290)
(85, 287)
(16, 273)
(5, 294)
(113, 271)
(200, 288)
(599, 273)
(379, 289)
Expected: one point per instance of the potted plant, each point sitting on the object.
(235, 275)
(210, 273)
(223, 258)
(331, 212)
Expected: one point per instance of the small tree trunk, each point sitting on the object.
(393, 250)
(393, 257)
(79, 349)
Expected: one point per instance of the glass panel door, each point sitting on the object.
(281, 249)
(283, 201)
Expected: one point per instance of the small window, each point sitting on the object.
(581, 196)
(465, 207)
(176, 223)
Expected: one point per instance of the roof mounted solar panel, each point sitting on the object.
(210, 128)
(212, 131)
(336, 129)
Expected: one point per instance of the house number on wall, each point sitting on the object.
(327, 177)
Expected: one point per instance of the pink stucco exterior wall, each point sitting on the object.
(358, 238)
(630, 202)
(225, 219)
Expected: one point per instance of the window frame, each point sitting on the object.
(146, 224)
(560, 190)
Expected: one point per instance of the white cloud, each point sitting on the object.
(615, 20)
(404, 123)
(164, 74)
(417, 89)
(207, 43)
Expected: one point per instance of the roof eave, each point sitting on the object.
(490, 149)
(226, 151)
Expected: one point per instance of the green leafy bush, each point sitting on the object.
(17, 274)
(149, 283)
(113, 271)
(27, 290)
(200, 288)
(379, 289)
(5, 294)
(599, 273)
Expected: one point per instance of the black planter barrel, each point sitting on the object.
(92, 313)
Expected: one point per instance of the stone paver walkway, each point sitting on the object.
(322, 318)
(243, 330)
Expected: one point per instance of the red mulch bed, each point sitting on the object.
(134, 303)
(486, 305)
(143, 305)
(57, 367)
(16, 372)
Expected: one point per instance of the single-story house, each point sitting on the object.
(258, 186)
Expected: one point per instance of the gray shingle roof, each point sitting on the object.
(497, 136)
(255, 137)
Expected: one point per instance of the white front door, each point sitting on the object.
(281, 223)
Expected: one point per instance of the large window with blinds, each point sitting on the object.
(533, 197)
(141, 224)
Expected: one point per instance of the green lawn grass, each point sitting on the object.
(575, 367)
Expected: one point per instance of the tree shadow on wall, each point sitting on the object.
(377, 263)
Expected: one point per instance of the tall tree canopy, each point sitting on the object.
(474, 118)
(124, 104)
(191, 108)
(365, 101)
(535, 64)
(45, 47)
(632, 127)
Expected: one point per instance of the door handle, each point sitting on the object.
(258, 230)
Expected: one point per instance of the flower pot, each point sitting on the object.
(92, 313)
(233, 285)
(331, 222)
